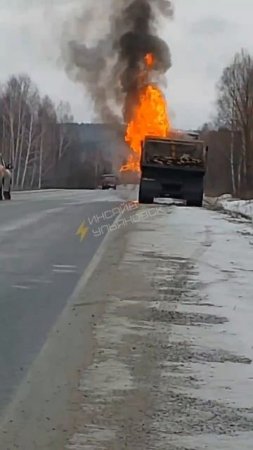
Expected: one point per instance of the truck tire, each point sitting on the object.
(197, 202)
(144, 198)
(7, 195)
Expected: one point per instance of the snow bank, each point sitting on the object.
(243, 207)
(228, 203)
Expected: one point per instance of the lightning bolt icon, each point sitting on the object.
(82, 231)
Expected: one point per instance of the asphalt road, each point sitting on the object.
(155, 351)
(41, 261)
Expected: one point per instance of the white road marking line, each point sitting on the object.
(20, 286)
(64, 266)
(33, 280)
(64, 271)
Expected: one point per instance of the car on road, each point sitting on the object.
(109, 181)
(5, 180)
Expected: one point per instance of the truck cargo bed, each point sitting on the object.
(177, 170)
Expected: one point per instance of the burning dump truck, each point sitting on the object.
(173, 167)
(125, 72)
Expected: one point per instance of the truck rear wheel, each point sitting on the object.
(197, 201)
(7, 195)
(144, 197)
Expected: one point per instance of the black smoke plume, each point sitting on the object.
(110, 69)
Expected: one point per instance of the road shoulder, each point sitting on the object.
(161, 373)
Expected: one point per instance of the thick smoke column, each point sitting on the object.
(110, 70)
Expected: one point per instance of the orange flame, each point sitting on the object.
(149, 60)
(150, 118)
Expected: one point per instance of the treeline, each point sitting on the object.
(230, 135)
(31, 138)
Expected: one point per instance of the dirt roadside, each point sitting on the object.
(161, 371)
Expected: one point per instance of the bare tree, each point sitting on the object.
(32, 132)
(31, 135)
(47, 143)
(64, 116)
(18, 100)
(235, 112)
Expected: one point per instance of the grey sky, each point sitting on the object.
(203, 37)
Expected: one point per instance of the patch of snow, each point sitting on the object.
(228, 203)
(243, 207)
